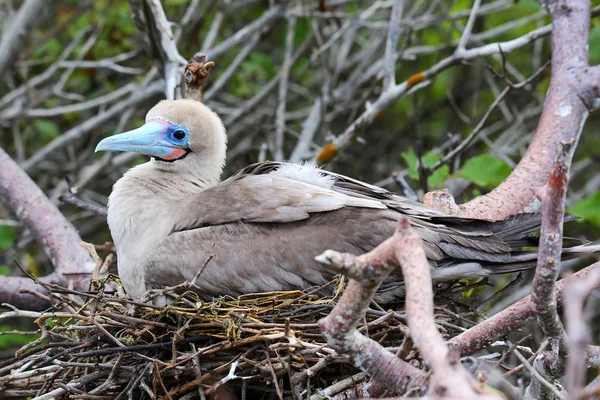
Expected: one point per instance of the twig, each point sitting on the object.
(283, 89)
(232, 67)
(150, 18)
(534, 390)
(73, 199)
(29, 15)
(464, 39)
(245, 32)
(576, 293)
(391, 45)
(499, 325)
(87, 126)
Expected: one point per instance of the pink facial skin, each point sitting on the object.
(175, 154)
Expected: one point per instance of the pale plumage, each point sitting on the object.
(263, 226)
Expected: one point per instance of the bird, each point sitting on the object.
(173, 219)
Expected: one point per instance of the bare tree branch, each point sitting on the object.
(514, 316)
(577, 291)
(395, 92)
(543, 299)
(28, 17)
(340, 326)
(573, 92)
(59, 239)
(150, 18)
(283, 90)
(391, 45)
(404, 248)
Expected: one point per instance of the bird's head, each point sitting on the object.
(178, 135)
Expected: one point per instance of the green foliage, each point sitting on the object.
(594, 44)
(51, 48)
(437, 178)
(46, 130)
(461, 5)
(485, 170)
(475, 290)
(7, 237)
(4, 270)
(259, 65)
(301, 31)
(443, 82)
(588, 209)
(14, 339)
(254, 73)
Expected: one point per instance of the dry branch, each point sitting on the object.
(577, 291)
(28, 17)
(405, 249)
(59, 239)
(573, 92)
(543, 300)
(486, 332)
(149, 17)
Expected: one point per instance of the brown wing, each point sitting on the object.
(264, 230)
(256, 195)
(261, 199)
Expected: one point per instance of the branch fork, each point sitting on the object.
(404, 249)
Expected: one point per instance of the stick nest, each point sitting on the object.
(97, 345)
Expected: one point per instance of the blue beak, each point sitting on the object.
(150, 139)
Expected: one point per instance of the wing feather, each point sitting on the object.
(261, 193)
(262, 198)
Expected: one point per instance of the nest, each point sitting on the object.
(266, 345)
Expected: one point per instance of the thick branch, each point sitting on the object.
(543, 299)
(59, 239)
(340, 326)
(572, 92)
(450, 378)
(404, 248)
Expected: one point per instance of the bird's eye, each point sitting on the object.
(179, 135)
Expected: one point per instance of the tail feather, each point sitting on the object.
(521, 261)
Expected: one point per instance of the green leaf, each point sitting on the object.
(259, 64)
(303, 29)
(412, 161)
(437, 178)
(46, 130)
(588, 209)
(525, 7)
(7, 237)
(485, 170)
(410, 157)
(4, 269)
(594, 45)
(14, 339)
(442, 83)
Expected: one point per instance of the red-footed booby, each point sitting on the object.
(263, 227)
